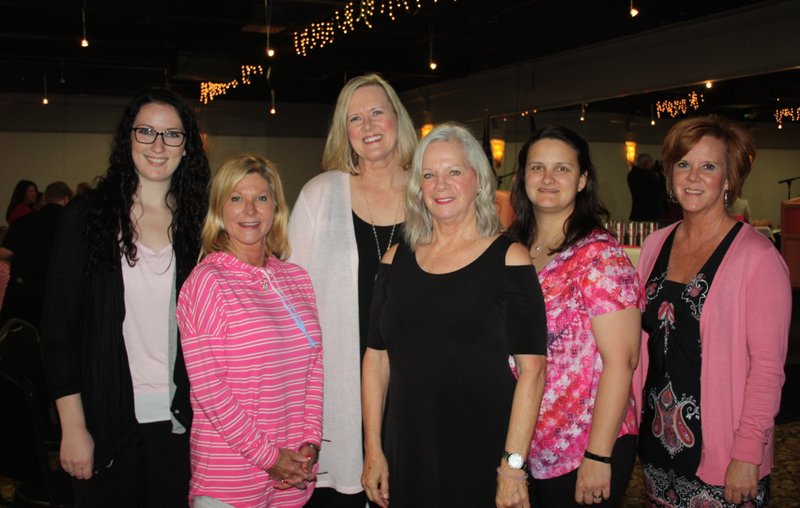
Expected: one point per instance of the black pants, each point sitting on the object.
(151, 472)
(330, 498)
(559, 492)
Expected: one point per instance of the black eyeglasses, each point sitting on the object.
(147, 136)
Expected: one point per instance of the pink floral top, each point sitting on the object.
(591, 278)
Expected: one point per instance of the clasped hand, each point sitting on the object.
(294, 469)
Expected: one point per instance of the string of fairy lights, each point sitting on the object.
(781, 113)
(362, 13)
(209, 90)
(675, 107)
(347, 19)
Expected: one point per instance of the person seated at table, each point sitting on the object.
(739, 209)
(252, 343)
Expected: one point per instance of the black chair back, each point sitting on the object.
(21, 354)
(23, 455)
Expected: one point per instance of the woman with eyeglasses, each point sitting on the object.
(114, 361)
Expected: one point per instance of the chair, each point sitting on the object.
(21, 354)
(23, 455)
(27, 432)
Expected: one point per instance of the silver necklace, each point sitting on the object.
(536, 250)
(375, 232)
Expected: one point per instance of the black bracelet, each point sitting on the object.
(598, 458)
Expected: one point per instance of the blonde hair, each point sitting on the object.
(338, 153)
(214, 238)
(418, 226)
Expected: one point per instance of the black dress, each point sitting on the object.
(448, 338)
(670, 438)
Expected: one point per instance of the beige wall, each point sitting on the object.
(46, 157)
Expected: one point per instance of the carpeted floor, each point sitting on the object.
(785, 476)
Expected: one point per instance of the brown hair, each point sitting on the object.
(740, 147)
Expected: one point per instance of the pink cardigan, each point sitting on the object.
(744, 332)
(256, 378)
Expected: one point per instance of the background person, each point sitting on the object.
(252, 344)
(121, 253)
(28, 244)
(451, 303)
(584, 444)
(739, 209)
(648, 196)
(342, 223)
(22, 200)
(715, 335)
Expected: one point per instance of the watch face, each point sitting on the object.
(515, 460)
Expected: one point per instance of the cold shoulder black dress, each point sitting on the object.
(448, 338)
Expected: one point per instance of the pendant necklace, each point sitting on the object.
(375, 232)
(536, 250)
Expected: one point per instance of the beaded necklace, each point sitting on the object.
(375, 232)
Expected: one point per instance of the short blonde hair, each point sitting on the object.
(418, 226)
(338, 153)
(214, 238)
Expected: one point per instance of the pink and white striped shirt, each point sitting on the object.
(256, 377)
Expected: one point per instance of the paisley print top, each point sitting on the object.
(670, 437)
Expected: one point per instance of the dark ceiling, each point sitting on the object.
(137, 44)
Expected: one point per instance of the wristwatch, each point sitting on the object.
(514, 460)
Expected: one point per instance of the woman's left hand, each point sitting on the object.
(290, 470)
(311, 453)
(512, 492)
(741, 482)
(594, 482)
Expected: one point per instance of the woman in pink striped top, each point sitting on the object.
(252, 344)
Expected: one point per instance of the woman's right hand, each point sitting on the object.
(77, 452)
(288, 470)
(375, 478)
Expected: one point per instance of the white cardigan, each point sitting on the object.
(323, 242)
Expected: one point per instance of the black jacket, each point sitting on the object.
(82, 338)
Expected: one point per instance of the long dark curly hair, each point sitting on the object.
(109, 232)
(589, 212)
(18, 196)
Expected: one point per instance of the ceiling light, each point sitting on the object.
(268, 16)
(84, 41)
(44, 81)
(634, 10)
(583, 112)
(272, 109)
(709, 84)
(431, 62)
